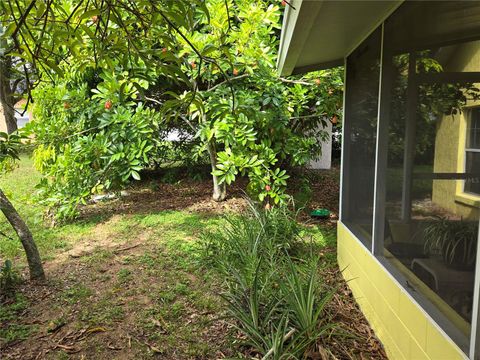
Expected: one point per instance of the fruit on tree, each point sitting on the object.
(108, 104)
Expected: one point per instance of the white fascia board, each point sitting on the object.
(297, 22)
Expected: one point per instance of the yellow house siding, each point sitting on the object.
(450, 144)
(402, 326)
(446, 158)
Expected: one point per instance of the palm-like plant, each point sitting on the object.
(455, 240)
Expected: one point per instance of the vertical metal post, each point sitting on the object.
(474, 334)
(381, 156)
(409, 151)
(345, 157)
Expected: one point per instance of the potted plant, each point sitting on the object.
(454, 240)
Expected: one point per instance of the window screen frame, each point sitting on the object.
(469, 345)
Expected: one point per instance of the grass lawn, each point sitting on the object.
(126, 280)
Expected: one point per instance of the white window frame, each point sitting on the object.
(469, 345)
(469, 150)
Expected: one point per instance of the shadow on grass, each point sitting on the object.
(154, 196)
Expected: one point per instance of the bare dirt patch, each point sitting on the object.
(129, 290)
(122, 307)
(186, 195)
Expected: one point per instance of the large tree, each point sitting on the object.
(206, 66)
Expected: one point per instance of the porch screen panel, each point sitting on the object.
(431, 234)
(362, 86)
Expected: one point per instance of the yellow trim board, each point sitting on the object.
(405, 330)
(468, 199)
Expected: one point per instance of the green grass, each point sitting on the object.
(19, 187)
(79, 293)
(159, 293)
(421, 188)
(11, 328)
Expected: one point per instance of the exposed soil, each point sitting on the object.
(155, 196)
(104, 301)
(129, 294)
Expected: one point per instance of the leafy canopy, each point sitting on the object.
(113, 77)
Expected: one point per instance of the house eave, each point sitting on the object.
(319, 34)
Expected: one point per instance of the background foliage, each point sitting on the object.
(114, 79)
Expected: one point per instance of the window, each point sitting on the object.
(363, 74)
(430, 70)
(472, 153)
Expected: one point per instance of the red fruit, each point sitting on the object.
(235, 72)
(318, 81)
(268, 188)
(284, 3)
(95, 19)
(164, 50)
(108, 104)
(193, 64)
(66, 105)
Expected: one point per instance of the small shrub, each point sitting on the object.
(171, 176)
(8, 279)
(304, 194)
(276, 302)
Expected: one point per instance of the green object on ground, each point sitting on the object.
(320, 213)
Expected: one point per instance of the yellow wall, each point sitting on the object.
(402, 326)
(450, 144)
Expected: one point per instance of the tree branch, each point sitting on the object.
(243, 76)
(307, 116)
(22, 19)
(300, 82)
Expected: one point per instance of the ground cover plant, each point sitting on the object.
(129, 278)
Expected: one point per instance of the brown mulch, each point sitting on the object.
(360, 341)
(325, 187)
(187, 195)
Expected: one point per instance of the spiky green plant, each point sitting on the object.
(455, 240)
(276, 303)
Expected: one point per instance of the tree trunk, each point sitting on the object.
(219, 190)
(23, 232)
(7, 99)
